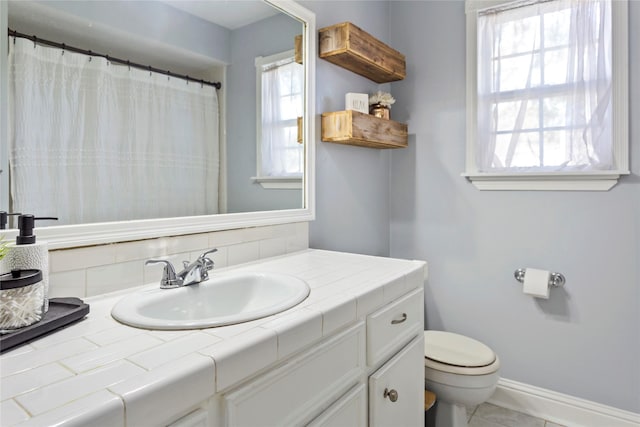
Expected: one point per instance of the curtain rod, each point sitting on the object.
(63, 46)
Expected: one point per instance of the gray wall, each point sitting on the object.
(584, 340)
(352, 189)
(263, 38)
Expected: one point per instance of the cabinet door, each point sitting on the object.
(197, 418)
(350, 410)
(396, 390)
(293, 393)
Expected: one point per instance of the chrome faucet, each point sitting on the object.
(192, 273)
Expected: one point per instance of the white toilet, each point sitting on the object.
(461, 372)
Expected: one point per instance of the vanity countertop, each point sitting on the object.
(89, 371)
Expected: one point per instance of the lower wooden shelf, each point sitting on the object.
(355, 128)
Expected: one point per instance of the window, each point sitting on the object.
(547, 94)
(280, 96)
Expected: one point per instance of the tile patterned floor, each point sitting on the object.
(488, 415)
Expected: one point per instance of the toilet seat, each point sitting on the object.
(457, 354)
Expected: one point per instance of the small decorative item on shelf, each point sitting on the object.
(380, 104)
(357, 102)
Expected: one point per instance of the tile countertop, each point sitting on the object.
(88, 372)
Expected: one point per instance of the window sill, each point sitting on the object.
(593, 181)
(279, 182)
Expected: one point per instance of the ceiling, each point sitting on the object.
(231, 14)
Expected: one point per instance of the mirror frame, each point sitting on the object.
(68, 236)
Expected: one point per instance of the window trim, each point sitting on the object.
(553, 181)
(279, 182)
(268, 182)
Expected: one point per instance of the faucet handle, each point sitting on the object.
(169, 278)
(210, 251)
(206, 263)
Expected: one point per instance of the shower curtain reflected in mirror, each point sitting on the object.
(132, 144)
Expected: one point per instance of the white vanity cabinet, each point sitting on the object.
(370, 374)
(351, 355)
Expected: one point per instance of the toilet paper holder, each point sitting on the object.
(555, 279)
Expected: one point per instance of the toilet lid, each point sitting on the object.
(457, 350)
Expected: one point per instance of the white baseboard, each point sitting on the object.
(560, 408)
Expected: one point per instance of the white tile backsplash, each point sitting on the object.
(114, 277)
(258, 233)
(142, 249)
(187, 243)
(297, 242)
(244, 252)
(272, 247)
(77, 258)
(95, 270)
(68, 283)
(225, 238)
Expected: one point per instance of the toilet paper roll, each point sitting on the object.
(536, 283)
(23, 257)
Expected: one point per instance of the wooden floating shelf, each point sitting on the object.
(297, 46)
(356, 128)
(352, 48)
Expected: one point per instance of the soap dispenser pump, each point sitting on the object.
(28, 254)
(26, 223)
(4, 218)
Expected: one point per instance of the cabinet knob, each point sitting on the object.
(391, 394)
(402, 319)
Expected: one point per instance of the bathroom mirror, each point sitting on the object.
(225, 51)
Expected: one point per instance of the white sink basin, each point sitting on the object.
(224, 299)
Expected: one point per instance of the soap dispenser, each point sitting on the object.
(28, 254)
(4, 218)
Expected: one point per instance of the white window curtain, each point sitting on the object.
(91, 141)
(545, 87)
(282, 103)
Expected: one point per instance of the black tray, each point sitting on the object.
(62, 312)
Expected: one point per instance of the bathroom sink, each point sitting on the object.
(224, 299)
